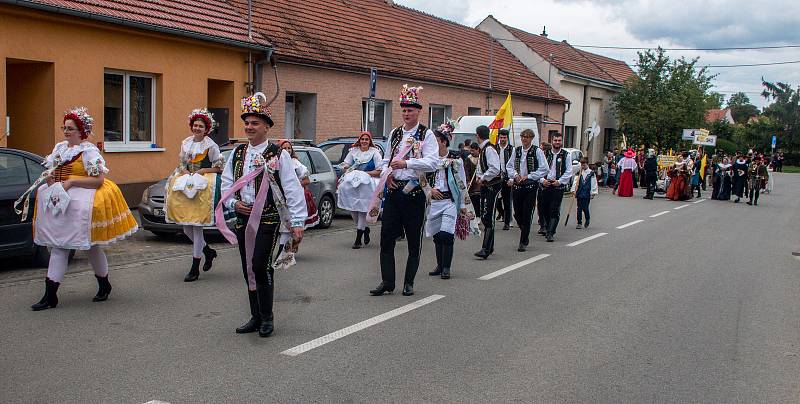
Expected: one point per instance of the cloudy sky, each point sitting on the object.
(650, 23)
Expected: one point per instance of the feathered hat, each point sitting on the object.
(445, 131)
(82, 119)
(256, 104)
(630, 153)
(409, 97)
(204, 115)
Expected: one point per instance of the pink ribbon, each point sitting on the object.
(252, 222)
(374, 205)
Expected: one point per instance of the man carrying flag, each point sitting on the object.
(504, 117)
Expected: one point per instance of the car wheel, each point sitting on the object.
(325, 210)
(40, 257)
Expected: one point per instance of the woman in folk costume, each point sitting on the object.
(678, 175)
(361, 172)
(194, 189)
(627, 165)
(449, 203)
(724, 170)
(77, 208)
(311, 207)
(739, 171)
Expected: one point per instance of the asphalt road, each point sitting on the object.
(700, 304)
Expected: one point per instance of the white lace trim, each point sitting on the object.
(192, 149)
(114, 220)
(62, 152)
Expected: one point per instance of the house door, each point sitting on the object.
(31, 125)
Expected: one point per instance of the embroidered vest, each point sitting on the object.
(506, 155)
(584, 190)
(531, 161)
(270, 211)
(419, 136)
(560, 168)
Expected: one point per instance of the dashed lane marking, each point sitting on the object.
(681, 207)
(700, 200)
(630, 224)
(359, 326)
(660, 213)
(510, 268)
(583, 240)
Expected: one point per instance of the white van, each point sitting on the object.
(466, 125)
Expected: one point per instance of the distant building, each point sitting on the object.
(719, 115)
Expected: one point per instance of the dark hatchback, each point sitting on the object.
(18, 170)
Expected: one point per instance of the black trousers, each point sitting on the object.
(488, 200)
(552, 206)
(650, 179)
(539, 211)
(402, 213)
(443, 241)
(476, 203)
(266, 239)
(583, 209)
(505, 207)
(524, 203)
(753, 193)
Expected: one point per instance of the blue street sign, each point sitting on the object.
(373, 81)
(774, 141)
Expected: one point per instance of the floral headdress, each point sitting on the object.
(357, 143)
(445, 131)
(206, 116)
(82, 119)
(409, 97)
(253, 105)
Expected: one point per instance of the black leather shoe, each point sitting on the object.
(435, 272)
(103, 289)
(408, 289)
(366, 236)
(550, 238)
(382, 288)
(521, 247)
(482, 254)
(251, 325)
(210, 254)
(266, 329)
(194, 272)
(50, 298)
(506, 227)
(749, 203)
(542, 231)
(446, 273)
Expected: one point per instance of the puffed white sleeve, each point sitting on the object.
(93, 162)
(227, 183)
(292, 191)
(50, 160)
(430, 155)
(300, 169)
(216, 157)
(493, 161)
(348, 160)
(377, 159)
(512, 161)
(594, 184)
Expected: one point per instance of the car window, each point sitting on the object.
(13, 170)
(335, 152)
(35, 169)
(320, 162)
(303, 157)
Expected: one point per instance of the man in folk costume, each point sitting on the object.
(488, 174)
(504, 150)
(262, 203)
(546, 147)
(525, 168)
(403, 189)
(553, 184)
(650, 173)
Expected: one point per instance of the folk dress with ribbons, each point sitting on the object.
(450, 180)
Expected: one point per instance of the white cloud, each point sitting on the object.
(646, 23)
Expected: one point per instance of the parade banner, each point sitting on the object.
(704, 139)
(690, 134)
(665, 161)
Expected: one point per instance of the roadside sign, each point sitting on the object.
(371, 110)
(665, 161)
(373, 82)
(704, 139)
(689, 134)
(774, 141)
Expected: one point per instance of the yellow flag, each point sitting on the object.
(504, 117)
(703, 166)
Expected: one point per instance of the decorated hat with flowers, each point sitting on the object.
(256, 104)
(409, 97)
(82, 119)
(445, 131)
(204, 115)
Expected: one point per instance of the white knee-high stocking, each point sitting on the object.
(59, 259)
(98, 261)
(195, 233)
(360, 218)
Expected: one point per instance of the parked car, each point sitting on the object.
(322, 186)
(337, 148)
(18, 170)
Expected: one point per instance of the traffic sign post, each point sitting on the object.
(774, 142)
(373, 87)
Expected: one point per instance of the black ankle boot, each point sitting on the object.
(359, 234)
(265, 293)
(210, 254)
(254, 323)
(445, 273)
(103, 289)
(50, 299)
(194, 272)
(366, 236)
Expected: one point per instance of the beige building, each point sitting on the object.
(589, 81)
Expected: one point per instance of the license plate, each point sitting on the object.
(158, 212)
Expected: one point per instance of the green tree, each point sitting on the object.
(741, 108)
(663, 98)
(714, 100)
(785, 111)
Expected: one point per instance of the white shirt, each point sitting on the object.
(627, 164)
(551, 174)
(441, 173)
(523, 165)
(93, 162)
(492, 162)
(292, 190)
(502, 156)
(581, 178)
(415, 166)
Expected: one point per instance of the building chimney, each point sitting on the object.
(544, 31)
(389, 2)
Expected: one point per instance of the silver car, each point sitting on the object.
(322, 186)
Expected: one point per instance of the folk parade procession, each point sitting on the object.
(399, 201)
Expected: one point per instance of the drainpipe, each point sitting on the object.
(583, 120)
(491, 59)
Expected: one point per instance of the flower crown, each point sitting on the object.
(410, 95)
(448, 127)
(81, 117)
(205, 115)
(254, 105)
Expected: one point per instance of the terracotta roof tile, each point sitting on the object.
(572, 60)
(213, 18)
(398, 41)
(716, 115)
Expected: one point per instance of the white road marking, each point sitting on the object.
(156, 402)
(510, 268)
(359, 326)
(681, 207)
(630, 224)
(583, 240)
(700, 200)
(660, 213)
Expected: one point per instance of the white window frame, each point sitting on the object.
(126, 144)
(387, 116)
(447, 113)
